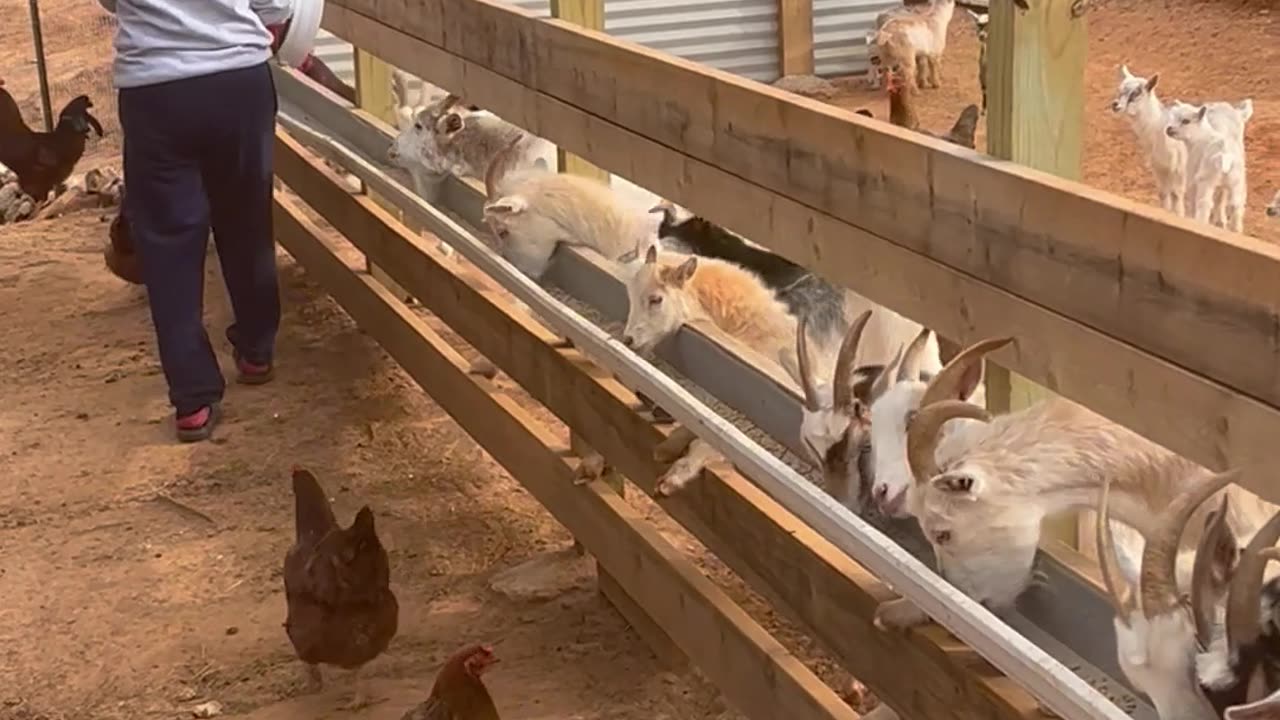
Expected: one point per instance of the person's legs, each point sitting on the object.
(237, 170)
(169, 218)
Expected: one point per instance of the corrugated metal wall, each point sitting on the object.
(740, 36)
(840, 29)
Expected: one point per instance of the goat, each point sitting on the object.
(875, 76)
(836, 426)
(980, 22)
(1167, 157)
(1215, 163)
(532, 211)
(917, 37)
(1188, 663)
(43, 160)
(982, 489)
(1273, 210)
(902, 112)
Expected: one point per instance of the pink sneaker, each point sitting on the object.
(248, 373)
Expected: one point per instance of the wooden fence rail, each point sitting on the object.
(1167, 327)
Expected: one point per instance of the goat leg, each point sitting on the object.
(899, 614)
(684, 470)
(591, 468)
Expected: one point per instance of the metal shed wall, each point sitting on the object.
(840, 29)
(739, 36)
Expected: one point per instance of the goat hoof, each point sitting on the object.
(898, 614)
(674, 446)
(592, 468)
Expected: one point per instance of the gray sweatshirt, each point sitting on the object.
(161, 40)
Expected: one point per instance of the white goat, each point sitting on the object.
(1215, 162)
(875, 77)
(836, 426)
(1194, 663)
(1167, 157)
(532, 211)
(919, 37)
(983, 487)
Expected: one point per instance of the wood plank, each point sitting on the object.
(1129, 270)
(804, 575)
(587, 14)
(795, 36)
(755, 672)
(1036, 69)
(1179, 409)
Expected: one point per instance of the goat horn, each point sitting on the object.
(945, 385)
(806, 372)
(1242, 602)
(1159, 558)
(1106, 542)
(885, 379)
(1216, 531)
(449, 101)
(491, 175)
(842, 398)
(912, 357)
(924, 427)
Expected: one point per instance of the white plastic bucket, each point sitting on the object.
(300, 38)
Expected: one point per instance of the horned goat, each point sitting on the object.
(1167, 157)
(1199, 662)
(532, 211)
(917, 37)
(984, 485)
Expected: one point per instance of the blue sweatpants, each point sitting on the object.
(198, 155)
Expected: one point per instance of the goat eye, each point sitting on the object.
(942, 537)
(655, 300)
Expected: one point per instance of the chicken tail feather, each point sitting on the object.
(312, 514)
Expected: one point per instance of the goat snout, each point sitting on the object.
(628, 341)
(1115, 106)
(392, 153)
(1273, 211)
(1170, 132)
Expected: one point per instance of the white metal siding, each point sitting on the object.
(840, 29)
(740, 36)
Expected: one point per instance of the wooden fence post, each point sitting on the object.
(1035, 79)
(590, 14)
(795, 37)
(373, 95)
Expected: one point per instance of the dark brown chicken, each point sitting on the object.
(43, 160)
(337, 584)
(459, 693)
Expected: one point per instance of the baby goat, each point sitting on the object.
(1215, 163)
(983, 487)
(917, 37)
(1167, 157)
(1190, 664)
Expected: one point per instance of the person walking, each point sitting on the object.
(197, 105)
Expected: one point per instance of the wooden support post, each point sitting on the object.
(373, 94)
(1035, 67)
(795, 37)
(590, 14)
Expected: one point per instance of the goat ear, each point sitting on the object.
(510, 205)
(651, 255)
(1267, 708)
(1204, 110)
(1124, 72)
(958, 483)
(864, 379)
(1151, 84)
(682, 274)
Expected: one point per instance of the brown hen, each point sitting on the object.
(902, 110)
(459, 693)
(337, 585)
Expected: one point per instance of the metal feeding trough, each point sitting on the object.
(300, 32)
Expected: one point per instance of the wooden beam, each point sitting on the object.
(373, 94)
(795, 37)
(1129, 270)
(756, 673)
(1036, 69)
(803, 574)
(1185, 411)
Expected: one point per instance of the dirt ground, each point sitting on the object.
(141, 577)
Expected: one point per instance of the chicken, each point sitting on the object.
(459, 693)
(902, 111)
(43, 160)
(337, 585)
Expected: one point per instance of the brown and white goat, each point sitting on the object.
(1195, 661)
(917, 39)
(982, 487)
